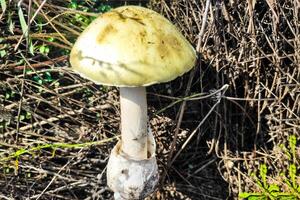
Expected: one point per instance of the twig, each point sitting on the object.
(221, 91)
(204, 20)
(43, 64)
(58, 117)
(54, 177)
(21, 100)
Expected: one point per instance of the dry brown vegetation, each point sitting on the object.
(57, 129)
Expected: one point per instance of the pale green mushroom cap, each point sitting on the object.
(131, 46)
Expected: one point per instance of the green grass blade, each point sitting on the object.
(23, 22)
(3, 6)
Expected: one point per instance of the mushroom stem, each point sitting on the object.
(134, 121)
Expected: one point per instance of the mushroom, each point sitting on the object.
(132, 47)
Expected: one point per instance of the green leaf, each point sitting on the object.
(244, 195)
(288, 198)
(263, 170)
(22, 117)
(104, 8)
(38, 80)
(47, 50)
(42, 49)
(56, 84)
(31, 47)
(257, 198)
(292, 173)
(20, 152)
(11, 23)
(78, 17)
(273, 188)
(27, 71)
(3, 5)
(53, 152)
(73, 5)
(292, 141)
(50, 39)
(292, 144)
(28, 115)
(24, 26)
(7, 95)
(2, 53)
(48, 77)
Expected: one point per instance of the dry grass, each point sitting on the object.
(57, 129)
(254, 47)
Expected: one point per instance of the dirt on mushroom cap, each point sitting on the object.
(131, 46)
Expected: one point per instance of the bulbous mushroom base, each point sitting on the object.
(129, 178)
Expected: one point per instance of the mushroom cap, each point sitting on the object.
(131, 46)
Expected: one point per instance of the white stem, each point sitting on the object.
(134, 121)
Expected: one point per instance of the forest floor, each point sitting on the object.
(234, 119)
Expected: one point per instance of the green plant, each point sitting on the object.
(46, 77)
(83, 20)
(3, 125)
(17, 155)
(289, 176)
(3, 51)
(25, 115)
(9, 94)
